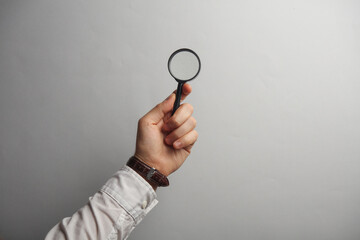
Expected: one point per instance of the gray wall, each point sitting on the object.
(277, 104)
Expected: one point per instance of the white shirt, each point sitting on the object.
(113, 212)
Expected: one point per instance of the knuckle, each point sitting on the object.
(142, 121)
(196, 134)
(189, 107)
(194, 122)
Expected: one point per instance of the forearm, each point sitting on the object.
(163, 143)
(112, 213)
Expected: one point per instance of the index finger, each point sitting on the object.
(186, 90)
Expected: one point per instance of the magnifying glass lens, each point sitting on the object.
(184, 65)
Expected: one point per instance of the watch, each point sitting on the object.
(150, 174)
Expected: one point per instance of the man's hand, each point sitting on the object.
(164, 141)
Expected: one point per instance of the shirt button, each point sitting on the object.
(144, 205)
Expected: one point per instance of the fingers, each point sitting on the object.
(180, 116)
(160, 110)
(181, 128)
(187, 127)
(185, 91)
(186, 141)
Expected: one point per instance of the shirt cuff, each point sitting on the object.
(131, 192)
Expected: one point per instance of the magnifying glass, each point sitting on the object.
(184, 65)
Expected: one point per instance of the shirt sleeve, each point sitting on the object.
(113, 212)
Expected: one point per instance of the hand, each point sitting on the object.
(164, 141)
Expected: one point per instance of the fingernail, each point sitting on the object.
(177, 144)
(167, 140)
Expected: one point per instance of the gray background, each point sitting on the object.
(277, 104)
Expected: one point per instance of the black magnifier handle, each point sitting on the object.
(178, 97)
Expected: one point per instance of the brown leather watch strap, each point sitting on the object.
(153, 176)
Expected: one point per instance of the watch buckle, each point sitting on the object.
(150, 173)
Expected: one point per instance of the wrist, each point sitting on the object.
(151, 162)
(149, 173)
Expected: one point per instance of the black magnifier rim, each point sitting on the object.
(184, 50)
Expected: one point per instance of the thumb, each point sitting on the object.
(160, 110)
